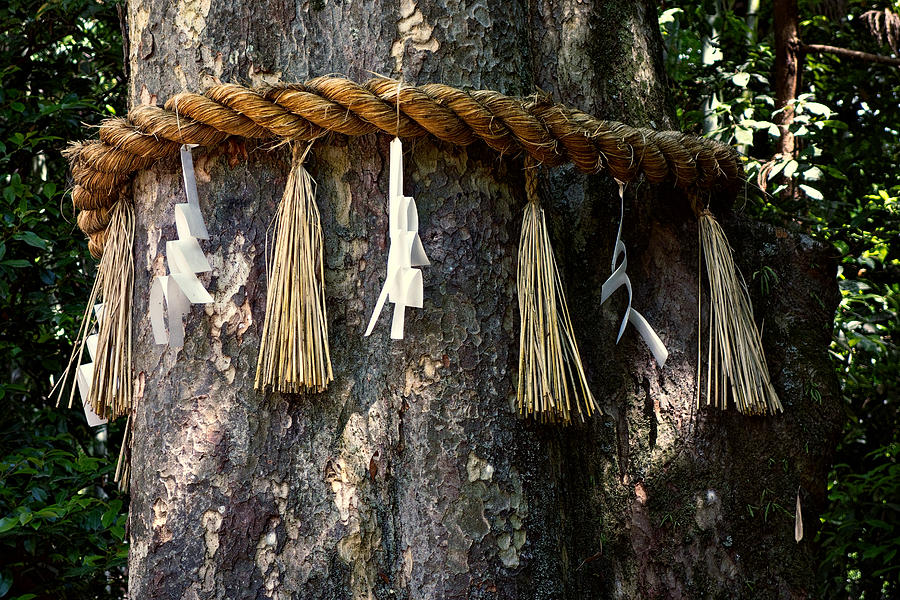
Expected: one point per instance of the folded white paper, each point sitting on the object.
(187, 172)
(84, 376)
(167, 299)
(172, 295)
(188, 219)
(189, 222)
(91, 342)
(186, 256)
(192, 288)
(403, 285)
(619, 278)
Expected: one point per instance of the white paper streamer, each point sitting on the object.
(403, 285)
(619, 278)
(85, 374)
(172, 295)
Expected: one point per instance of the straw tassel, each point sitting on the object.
(107, 390)
(736, 360)
(294, 356)
(552, 385)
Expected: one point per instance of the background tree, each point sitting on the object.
(844, 168)
(411, 476)
(61, 522)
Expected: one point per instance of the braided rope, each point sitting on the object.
(550, 133)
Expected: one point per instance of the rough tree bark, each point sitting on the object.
(412, 478)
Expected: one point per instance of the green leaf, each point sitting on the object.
(117, 532)
(756, 124)
(816, 108)
(813, 174)
(38, 494)
(743, 136)
(7, 523)
(16, 263)
(86, 463)
(108, 517)
(812, 192)
(834, 172)
(790, 168)
(741, 79)
(832, 123)
(51, 512)
(777, 169)
(668, 16)
(32, 239)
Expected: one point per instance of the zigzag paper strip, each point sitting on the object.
(619, 278)
(174, 293)
(85, 374)
(403, 285)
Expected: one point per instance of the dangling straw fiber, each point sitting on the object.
(552, 384)
(293, 353)
(110, 390)
(123, 464)
(736, 360)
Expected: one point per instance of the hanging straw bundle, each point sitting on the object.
(293, 353)
(110, 390)
(552, 384)
(736, 360)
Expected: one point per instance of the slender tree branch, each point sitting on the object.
(788, 70)
(877, 58)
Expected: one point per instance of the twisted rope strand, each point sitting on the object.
(550, 133)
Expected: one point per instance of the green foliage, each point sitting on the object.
(864, 535)
(61, 520)
(62, 533)
(844, 187)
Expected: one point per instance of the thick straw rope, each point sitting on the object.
(552, 134)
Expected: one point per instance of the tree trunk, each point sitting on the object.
(710, 54)
(788, 57)
(412, 477)
(751, 19)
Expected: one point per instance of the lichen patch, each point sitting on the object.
(412, 28)
(190, 19)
